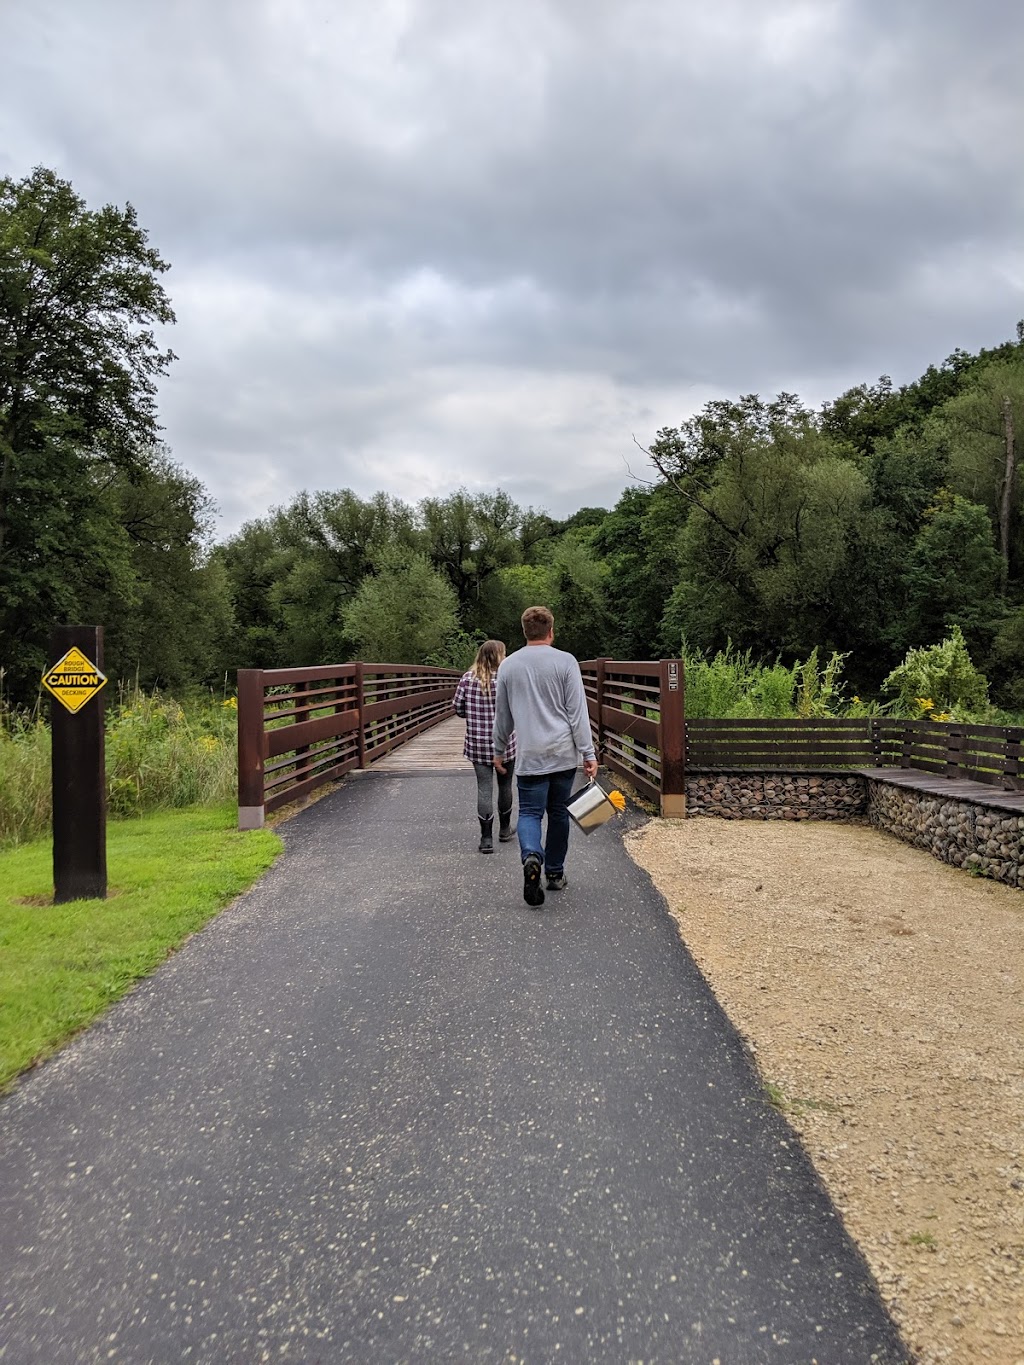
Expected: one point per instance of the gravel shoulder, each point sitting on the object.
(883, 996)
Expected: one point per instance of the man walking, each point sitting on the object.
(540, 696)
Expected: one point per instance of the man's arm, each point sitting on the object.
(503, 726)
(579, 718)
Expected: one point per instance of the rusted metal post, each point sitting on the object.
(672, 736)
(599, 672)
(301, 714)
(251, 751)
(360, 706)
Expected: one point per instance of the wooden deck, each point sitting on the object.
(437, 750)
(950, 789)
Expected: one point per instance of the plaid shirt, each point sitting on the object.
(477, 709)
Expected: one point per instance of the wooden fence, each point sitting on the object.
(981, 753)
(301, 727)
(636, 715)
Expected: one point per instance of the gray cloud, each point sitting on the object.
(418, 244)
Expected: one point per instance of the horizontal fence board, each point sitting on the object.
(301, 789)
(767, 737)
(640, 668)
(925, 764)
(378, 710)
(775, 722)
(340, 746)
(780, 764)
(317, 696)
(622, 723)
(302, 766)
(287, 677)
(742, 759)
(304, 732)
(780, 740)
(646, 788)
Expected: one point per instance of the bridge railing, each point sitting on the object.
(636, 715)
(301, 727)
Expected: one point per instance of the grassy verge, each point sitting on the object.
(62, 965)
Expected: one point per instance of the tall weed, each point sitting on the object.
(160, 754)
(732, 685)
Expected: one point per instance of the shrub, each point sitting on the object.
(939, 681)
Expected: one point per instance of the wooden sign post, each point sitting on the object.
(75, 681)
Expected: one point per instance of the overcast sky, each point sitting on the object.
(418, 244)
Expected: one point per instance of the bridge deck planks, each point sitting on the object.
(436, 750)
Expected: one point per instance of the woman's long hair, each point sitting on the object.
(485, 665)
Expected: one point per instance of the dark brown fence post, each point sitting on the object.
(360, 704)
(1011, 763)
(954, 743)
(672, 729)
(251, 797)
(599, 670)
(876, 743)
(301, 715)
(907, 749)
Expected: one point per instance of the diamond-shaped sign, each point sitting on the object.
(73, 680)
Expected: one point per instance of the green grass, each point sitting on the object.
(62, 965)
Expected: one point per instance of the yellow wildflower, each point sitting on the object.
(925, 703)
(232, 702)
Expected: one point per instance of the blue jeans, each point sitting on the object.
(545, 792)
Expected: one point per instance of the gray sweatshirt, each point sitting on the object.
(540, 696)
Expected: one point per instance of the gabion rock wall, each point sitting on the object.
(963, 833)
(776, 796)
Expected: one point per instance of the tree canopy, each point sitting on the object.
(889, 520)
(80, 295)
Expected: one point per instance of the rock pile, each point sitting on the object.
(775, 796)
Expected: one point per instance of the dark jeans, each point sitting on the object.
(485, 775)
(545, 793)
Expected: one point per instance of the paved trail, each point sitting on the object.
(381, 1111)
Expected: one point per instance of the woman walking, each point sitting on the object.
(474, 701)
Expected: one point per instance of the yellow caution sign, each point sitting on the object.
(73, 680)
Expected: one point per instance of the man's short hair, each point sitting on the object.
(537, 622)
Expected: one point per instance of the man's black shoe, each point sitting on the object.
(533, 892)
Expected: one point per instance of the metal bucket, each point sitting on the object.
(590, 807)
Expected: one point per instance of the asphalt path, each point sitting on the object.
(379, 1110)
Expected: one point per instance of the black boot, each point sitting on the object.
(505, 830)
(486, 844)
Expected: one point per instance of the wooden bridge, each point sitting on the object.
(301, 727)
